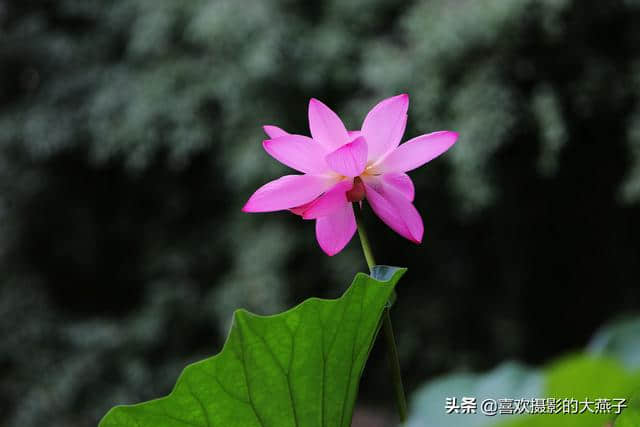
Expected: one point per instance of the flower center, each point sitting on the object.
(357, 193)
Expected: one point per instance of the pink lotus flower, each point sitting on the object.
(340, 167)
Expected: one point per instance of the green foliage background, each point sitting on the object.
(130, 138)
(607, 368)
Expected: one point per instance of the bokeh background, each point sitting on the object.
(130, 137)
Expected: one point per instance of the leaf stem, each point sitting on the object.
(387, 328)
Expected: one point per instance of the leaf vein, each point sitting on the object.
(353, 349)
(197, 399)
(246, 377)
(275, 359)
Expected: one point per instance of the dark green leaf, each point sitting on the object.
(298, 368)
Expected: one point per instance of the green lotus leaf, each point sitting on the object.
(297, 368)
(630, 417)
(582, 377)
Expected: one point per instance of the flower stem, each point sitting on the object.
(364, 241)
(394, 365)
(387, 328)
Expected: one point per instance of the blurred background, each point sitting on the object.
(130, 137)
